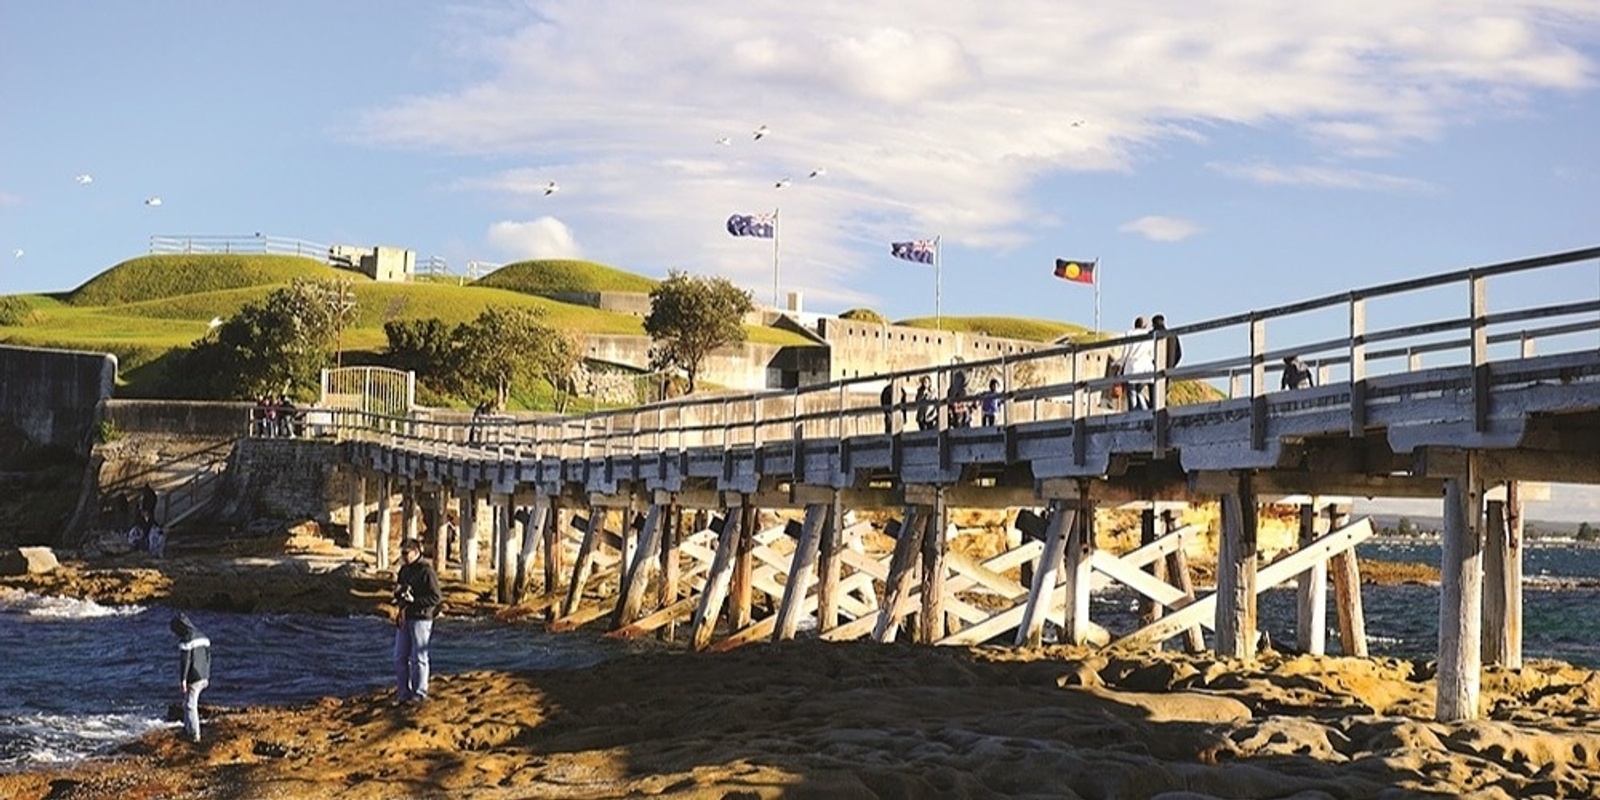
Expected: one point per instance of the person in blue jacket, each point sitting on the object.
(194, 671)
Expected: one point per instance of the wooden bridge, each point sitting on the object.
(667, 496)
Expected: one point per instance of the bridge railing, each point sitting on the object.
(1552, 301)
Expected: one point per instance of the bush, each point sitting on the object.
(14, 311)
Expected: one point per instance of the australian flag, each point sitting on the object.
(760, 226)
(920, 251)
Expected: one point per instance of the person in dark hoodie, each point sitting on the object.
(416, 596)
(194, 671)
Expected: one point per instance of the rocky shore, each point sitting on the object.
(807, 719)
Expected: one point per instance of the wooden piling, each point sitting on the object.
(1179, 576)
(717, 581)
(829, 566)
(932, 626)
(802, 569)
(1236, 573)
(468, 513)
(357, 509)
(668, 595)
(742, 591)
(506, 546)
(1311, 614)
(385, 486)
(1461, 596)
(584, 563)
(1042, 591)
(897, 587)
(638, 576)
(1344, 571)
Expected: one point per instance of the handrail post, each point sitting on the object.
(1478, 302)
(755, 421)
(1258, 383)
(1358, 366)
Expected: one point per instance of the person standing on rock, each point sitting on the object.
(416, 598)
(194, 671)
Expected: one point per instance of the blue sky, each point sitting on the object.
(1217, 155)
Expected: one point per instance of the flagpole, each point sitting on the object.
(775, 305)
(938, 283)
(1099, 275)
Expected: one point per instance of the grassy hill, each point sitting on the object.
(145, 308)
(553, 276)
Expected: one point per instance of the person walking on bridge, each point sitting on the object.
(1138, 357)
(416, 599)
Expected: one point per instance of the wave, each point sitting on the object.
(41, 739)
(33, 605)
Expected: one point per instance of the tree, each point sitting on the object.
(425, 347)
(508, 346)
(692, 316)
(279, 345)
(1405, 527)
(1587, 533)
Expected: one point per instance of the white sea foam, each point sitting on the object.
(34, 605)
(42, 738)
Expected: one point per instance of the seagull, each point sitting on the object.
(783, 183)
(152, 201)
(818, 172)
(724, 140)
(1077, 123)
(215, 321)
(17, 253)
(762, 131)
(84, 180)
(551, 188)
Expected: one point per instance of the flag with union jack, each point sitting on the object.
(921, 251)
(761, 226)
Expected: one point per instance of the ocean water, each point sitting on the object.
(1560, 600)
(77, 677)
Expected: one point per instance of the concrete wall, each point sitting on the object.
(279, 479)
(54, 396)
(213, 420)
(751, 367)
(634, 303)
(870, 348)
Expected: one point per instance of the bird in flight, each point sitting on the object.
(1077, 123)
(762, 131)
(17, 253)
(215, 321)
(84, 180)
(724, 140)
(783, 183)
(152, 201)
(551, 188)
(818, 172)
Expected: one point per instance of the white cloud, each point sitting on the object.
(1161, 229)
(545, 237)
(941, 118)
(1319, 176)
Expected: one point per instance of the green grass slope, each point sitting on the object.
(550, 276)
(154, 277)
(146, 308)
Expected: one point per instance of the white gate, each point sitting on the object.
(375, 390)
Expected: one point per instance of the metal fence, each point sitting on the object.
(247, 244)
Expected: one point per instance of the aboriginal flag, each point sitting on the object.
(1075, 271)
